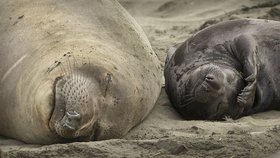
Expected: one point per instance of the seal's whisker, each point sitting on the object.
(186, 105)
(86, 75)
(75, 68)
(74, 72)
(188, 95)
(64, 69)
(88, 69)
(69, 67)
(187, 100)
(83, 77)
(198, 82)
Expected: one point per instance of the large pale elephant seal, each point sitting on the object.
(229, 69)
(73, 70)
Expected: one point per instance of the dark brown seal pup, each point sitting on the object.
(73, 70)
(229, 69)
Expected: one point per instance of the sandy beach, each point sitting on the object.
(164, 133)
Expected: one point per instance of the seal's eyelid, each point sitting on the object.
(209, 77)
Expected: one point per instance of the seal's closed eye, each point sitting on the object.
(209, 78)
(213, 81)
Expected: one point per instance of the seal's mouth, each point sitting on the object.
(205, 102)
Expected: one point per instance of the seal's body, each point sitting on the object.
(73, 70)
(229, 69)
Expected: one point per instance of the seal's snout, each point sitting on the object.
(74, 109)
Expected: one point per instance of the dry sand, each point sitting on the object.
(164, 133)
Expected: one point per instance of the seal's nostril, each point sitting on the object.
(73, 117)
(73, 114)
(67, 126)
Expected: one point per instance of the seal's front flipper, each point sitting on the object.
(244, 49)
(247, 96)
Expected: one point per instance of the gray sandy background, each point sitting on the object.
(164, 133)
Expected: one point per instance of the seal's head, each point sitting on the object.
(210, 92)
(75, 109)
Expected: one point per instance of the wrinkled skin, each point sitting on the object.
(210, 86)
(73, 71)
(226, 70)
